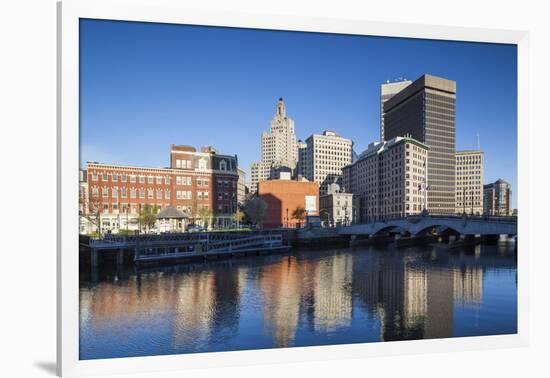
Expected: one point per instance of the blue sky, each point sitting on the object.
(144, 86)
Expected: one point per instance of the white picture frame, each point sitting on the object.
(69, 13)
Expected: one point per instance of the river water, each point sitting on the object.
(303, 298)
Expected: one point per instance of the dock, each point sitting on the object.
(158, 248)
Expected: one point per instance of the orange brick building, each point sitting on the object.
(283, 197)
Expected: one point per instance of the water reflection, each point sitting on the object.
(306, 298)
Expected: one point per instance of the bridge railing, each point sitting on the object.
(417, 217)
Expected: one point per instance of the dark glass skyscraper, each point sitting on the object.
(425, 111)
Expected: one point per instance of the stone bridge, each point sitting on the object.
(419, 225)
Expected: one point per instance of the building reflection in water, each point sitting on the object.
(468, 286)
(281, 288)
(413, 299)
(332, 293)
(401, 294)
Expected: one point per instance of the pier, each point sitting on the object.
(180, 246)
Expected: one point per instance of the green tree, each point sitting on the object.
(147, 216)
(299, 214)
(255, 210)
(238, 217)
(205, 214)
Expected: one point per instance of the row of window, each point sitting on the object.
(132, 193)
(123, 177)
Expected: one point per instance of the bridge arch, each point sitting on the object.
(426, 228)
(389, 227)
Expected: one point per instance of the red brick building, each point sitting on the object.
(283, 197)
(194, 180)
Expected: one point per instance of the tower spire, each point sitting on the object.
(281, 109)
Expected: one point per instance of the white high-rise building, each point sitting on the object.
(387, 91)
(469, 182)
(279, 147)
(326, 154)
(388, 180)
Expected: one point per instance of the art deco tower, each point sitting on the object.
(279, 147)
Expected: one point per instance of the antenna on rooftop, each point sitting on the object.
(478, 144)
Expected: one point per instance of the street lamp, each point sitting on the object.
(287, 220)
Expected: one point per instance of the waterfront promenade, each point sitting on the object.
(409, 231)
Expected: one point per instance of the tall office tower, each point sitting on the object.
(425, 111)
(497, 198)
(301, 169)
(326, 155)
(387, 180)
(279, 147)
(387, 91)
(469, 182)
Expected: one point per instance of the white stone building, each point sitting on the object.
(279, 147)
(326, 154)
(336, 207)
(388, 180)
(241, 186)
(469, 182)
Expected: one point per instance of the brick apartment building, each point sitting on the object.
(194, 180)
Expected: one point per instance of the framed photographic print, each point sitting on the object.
(262, 188)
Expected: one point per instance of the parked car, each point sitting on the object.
(194, 228)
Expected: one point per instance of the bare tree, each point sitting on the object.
(255, 210)
(91, 211)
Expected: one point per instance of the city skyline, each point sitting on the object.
(129, 105)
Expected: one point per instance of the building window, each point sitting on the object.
(114, 192)
(133, 178)
(159, 180)
(95, 192)
(132, 193)
(167, 194)
(114, 177)
(150, 193)
(105, 193)
(150, 179)
(94, 176)
(159, 193)
(123, 177)
(167, 180)
(105, 177)
(141, 193)
(142, 179)
(124, 192)
(189, 195)
(188, 180)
